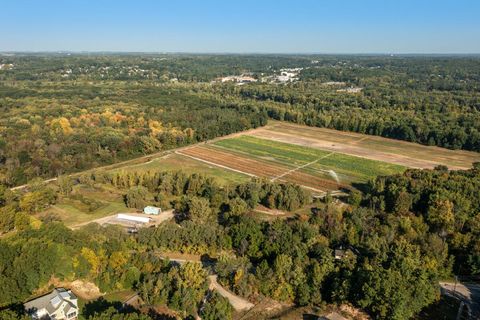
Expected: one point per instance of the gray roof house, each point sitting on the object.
(59, 304)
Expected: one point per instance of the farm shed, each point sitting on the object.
(152, 210)
(127, 217)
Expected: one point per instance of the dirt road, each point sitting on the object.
(467, 292)
(238, 303)
(112, 219)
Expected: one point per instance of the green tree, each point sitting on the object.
(198, 209)
(136, 197)
(65, 185)
(216, 307)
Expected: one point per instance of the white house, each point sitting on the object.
(60, 304)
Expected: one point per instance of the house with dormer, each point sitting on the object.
(60, 304)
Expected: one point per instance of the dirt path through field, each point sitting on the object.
(301, 167)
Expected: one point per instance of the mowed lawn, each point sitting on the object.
(73, 212)
(321, 163)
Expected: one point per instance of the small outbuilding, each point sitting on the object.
(152, 210)
(339, 254)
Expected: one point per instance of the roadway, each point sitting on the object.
(466, 292)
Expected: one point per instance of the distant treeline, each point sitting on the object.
(447, 118)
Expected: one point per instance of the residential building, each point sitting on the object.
(60, 304)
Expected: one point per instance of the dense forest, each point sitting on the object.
(65, 113)
(404, 234)
(71, 128)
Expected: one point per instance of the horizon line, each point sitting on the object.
(236, 53)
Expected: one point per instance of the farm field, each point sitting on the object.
(315, 169)
(316, 158)
(371, 147)
(327, 164)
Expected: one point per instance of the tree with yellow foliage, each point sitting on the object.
(60, 127)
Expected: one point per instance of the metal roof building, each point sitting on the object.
(152, 210)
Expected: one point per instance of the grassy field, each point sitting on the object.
(175, 162)
(73, 211)
(347, 168)
(109, 201)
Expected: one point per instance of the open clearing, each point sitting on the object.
(175, 162)
(326, 164)
(112, 219)
(74, 212)
(371, 147)
(315, 169)
(257, 167)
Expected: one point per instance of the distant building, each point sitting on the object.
(238, 79)
(152, 210)
(339, 254)
(60, 304)
(350, 90)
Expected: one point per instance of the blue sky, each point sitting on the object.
(263, 26)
